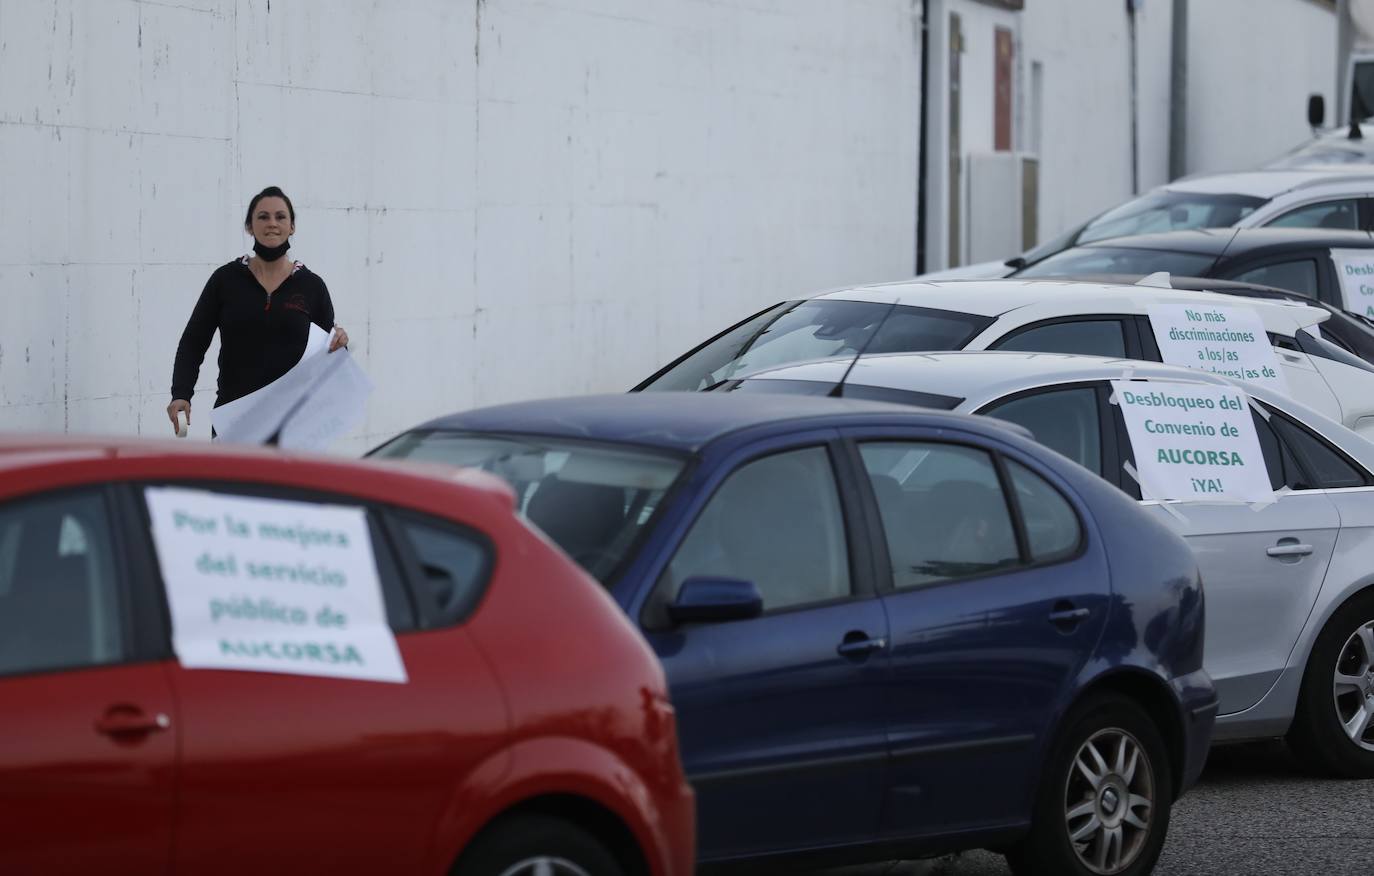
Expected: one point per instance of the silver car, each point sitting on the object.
(1289, 585)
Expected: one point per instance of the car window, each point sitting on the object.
(1297, 276)
(943, 510)
(776, 522)
(1326, 214)
(1278, 459)
(1065, 420)
(1099, 337)
(60, 604)
(1052, 528)
(453, 564)
(1322, 463)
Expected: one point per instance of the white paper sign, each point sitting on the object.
(1224, 340)
(336, 403)
(316, 402)
(270, 585)
(1356, 270)
(1193, 442)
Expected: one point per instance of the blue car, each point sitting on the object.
(887, 632)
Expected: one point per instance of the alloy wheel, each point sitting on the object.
(1109, 801)
(1352, 688)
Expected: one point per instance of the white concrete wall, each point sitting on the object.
(507, 198)
(1251, 66)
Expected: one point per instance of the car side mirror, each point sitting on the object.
(708, 598)
(1316, 110)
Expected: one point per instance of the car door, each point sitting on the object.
(1262, 567)
(991, 622)
(287, 772)
(779, 716)
(88, 759)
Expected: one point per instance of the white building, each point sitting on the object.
(518, 198)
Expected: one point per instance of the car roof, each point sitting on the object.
(681, 421)
(980, 377)
(978, 374)
(89, 459)
(1268, 183)
(997, 297)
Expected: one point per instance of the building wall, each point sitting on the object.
(1251, 66)
(507, 198)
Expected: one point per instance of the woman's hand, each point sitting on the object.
(340, 339)
(178, 405)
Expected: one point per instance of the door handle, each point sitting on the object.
(125, 721)
(1066, 617)
(1289, 547)
(856, 647)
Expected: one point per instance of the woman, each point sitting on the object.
(261, 304)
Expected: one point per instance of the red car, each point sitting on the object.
(247, 662)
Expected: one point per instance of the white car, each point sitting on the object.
(1254, 199)
(1289, 586)
(1030, 315)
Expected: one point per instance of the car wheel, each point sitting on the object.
(1333, 726)
(1102, 808)
(536, 845)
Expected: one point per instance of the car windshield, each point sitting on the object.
(1169, 211)
(796, 331)
(1088, 260)
(593, 500)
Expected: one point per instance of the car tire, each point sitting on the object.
(1111, 826)
(523, 845)
(1318, 736)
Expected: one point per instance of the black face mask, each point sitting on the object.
(270, 253)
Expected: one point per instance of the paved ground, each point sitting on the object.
(1255, 812)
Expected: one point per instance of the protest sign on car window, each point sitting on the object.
(1356, 270)
(272, 585)
(1193, 442)
(1221, 339)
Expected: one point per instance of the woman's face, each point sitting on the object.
(272, 223)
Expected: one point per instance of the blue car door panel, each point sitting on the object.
(997, 594)
(779, 715)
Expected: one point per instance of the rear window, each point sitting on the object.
(1118, 260)
(593, 500)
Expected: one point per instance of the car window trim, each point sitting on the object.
(131, 615)
(1118, 318)
(885, 579)
(1095, 385)
(862, 587)
(1320, 439)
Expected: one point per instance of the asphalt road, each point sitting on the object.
(1254, 812)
